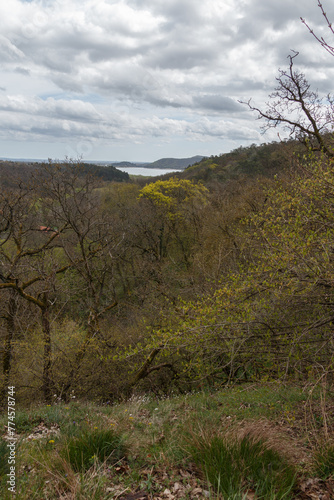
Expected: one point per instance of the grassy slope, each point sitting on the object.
(155, 437)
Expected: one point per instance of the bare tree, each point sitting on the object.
(303, 112)
(88, 245)
(48, 230)
(28, 270)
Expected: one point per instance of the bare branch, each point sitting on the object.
(321, 40)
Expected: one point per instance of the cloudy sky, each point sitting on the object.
(145, 79)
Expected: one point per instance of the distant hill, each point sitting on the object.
(163, 163)
(180, 163)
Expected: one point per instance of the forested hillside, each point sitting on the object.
(12, 172)
(221, 273)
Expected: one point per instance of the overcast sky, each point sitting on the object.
(146, 79)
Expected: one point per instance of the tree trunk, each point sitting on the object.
(47, 375)
(7, 357)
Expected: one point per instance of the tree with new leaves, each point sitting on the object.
(175, 203)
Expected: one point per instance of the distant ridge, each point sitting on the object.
(180, 163)
(163, 163)
(24, 160)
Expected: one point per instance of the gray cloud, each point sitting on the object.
(217, 103)
(22, 71)
(180, 56)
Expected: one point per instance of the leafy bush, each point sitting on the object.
(84, 450)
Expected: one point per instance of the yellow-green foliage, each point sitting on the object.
(173, 194)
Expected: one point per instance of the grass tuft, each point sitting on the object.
(324, 462)
(84, 451)
(237, 466)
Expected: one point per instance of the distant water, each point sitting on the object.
(149, 172)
